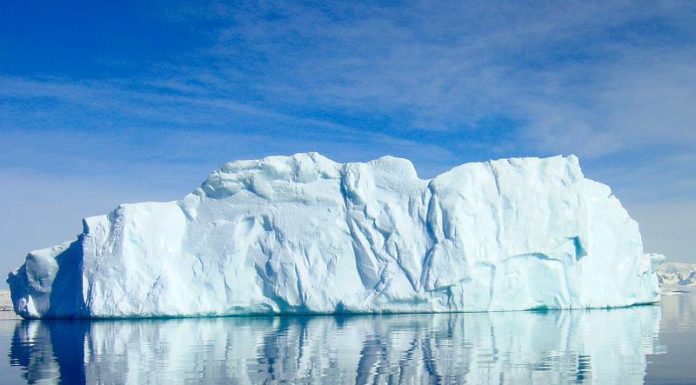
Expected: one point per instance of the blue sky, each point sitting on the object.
(108, 103)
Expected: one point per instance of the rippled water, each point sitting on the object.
(648, 344)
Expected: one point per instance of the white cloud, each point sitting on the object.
(592, 78)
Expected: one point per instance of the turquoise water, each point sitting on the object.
(647, 344)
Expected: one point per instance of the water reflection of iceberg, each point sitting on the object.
(596, 346)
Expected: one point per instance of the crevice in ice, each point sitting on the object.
(579, 248)
(433, 225)
(412, 280)
(365, 260)
(537, 255)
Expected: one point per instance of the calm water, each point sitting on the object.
(649, 344)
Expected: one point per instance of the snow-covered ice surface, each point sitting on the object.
(304, 234)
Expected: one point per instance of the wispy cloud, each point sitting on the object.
(592, 78)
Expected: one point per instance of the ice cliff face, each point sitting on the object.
(303, 234)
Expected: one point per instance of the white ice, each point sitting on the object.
(304, 234)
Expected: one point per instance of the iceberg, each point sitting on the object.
(303, 234)
(676, 274)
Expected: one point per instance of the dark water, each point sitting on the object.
(649, 344)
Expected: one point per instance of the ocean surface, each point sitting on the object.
(639, 345)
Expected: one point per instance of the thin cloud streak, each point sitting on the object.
(594, 79)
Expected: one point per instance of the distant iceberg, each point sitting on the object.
(303, 234)
(675, 274)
